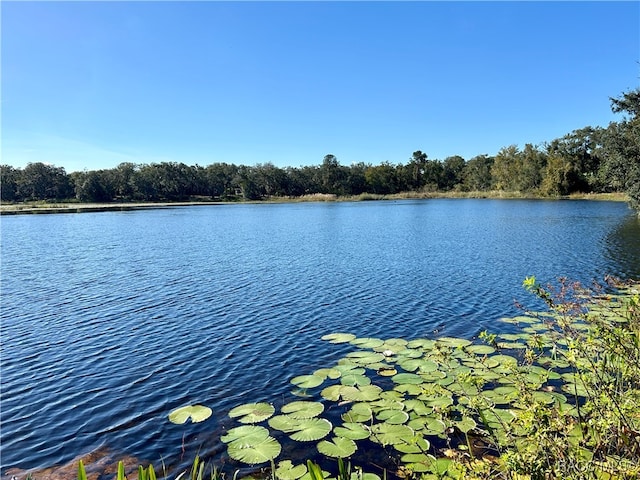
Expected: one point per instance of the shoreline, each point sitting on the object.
(63, 207)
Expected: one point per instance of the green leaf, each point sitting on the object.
(363, 393)
(287, 471)
(338, 337)
(403, 378)
(353, 431)
(307, 381)
(367, 342)
(348, 379)
(388, 434)
(246, 435)
(303, 409)
(252, 412)
(255, 454)
(197, 413)
(284, 423)
(312, 429)
(338, 447)
(395, 417)
(359, 412)
(332, 393)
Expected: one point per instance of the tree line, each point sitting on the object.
(590, 159)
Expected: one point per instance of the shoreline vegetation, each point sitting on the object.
(41, 207)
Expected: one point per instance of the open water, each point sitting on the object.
(111, 320)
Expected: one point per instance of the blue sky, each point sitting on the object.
(88, 85)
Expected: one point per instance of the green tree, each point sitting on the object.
(415, 170)
(532, 167)
(94, 186)
(332, 176)
(621, 148)
(477, 174)
(381, 179)
(40, 181)
(580, 149)
(452, 169)
(506, 167)
(9, 183)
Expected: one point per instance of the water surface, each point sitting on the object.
(112, 319)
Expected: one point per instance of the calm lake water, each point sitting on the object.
(111, 320)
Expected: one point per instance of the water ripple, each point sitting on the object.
(113, 319)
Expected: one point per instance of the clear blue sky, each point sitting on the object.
(88, 85)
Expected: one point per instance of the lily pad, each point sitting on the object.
(303, 409)
(252, 412)
(353, 431)
(388, 434)
(480, 349)
(338, 447)
(284, 423)
(367, 342)
(338, 337)
(246, 435)
(419, 445)
(197, 413)
(261, 452)
(394, 417)
(312, 429)
(403, 378)
(349, 379)
(364, 393)
(287, 471)
(307, 381)
(359, 412)
(332, 393)
(331, 373)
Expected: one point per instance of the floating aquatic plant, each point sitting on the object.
(197, 413)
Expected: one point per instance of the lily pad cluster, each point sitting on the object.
(409, 395)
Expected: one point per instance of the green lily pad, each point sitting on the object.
(363, 393)
(331, 373)
(359, 412)
(303, 409)
(338, 447)
(262, 452)
(311, 429)
(480, 349)
(197, 413)
(418, 445)
(350, 369)
(287, 471)
(367, 342)
(252, 412)
(332, 393)
(349, 379)
(387, 371)
(338, 337)
(418, 406)
(284, 423)
(412, 378)
(388, 434)
(394, 417)
(365, 358)
(353, 431)
(246, 435)
(434, 426)
(466, 424)
(409, 389)
(307, 381)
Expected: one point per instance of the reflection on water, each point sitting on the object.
(111, 320)
(622, 247)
